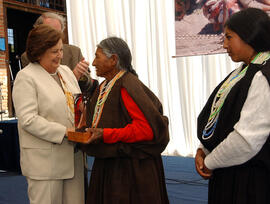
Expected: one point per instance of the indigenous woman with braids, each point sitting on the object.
(234, 125)
(129, 132)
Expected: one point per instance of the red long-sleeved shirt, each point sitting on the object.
(138, 130)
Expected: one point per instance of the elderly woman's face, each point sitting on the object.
(104, 65)
(51, 59)
(238, 50)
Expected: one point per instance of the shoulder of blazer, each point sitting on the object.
(67, 46)
(32, 68)
(71, 49)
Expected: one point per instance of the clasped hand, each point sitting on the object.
(202, 170)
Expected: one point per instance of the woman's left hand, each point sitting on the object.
(202, 170)
(207, 172)
(96, 135)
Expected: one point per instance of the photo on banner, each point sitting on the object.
(199, 23)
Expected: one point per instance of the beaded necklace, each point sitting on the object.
(69, 98)
(223, 92)
(104, 91)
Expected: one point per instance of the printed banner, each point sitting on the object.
(199, 23)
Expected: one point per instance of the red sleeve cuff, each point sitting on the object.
(107, 133)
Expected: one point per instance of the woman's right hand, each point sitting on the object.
(96, 135)
(202, 170)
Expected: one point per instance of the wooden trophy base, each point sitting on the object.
(76, 136)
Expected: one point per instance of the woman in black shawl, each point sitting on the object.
(234, 125)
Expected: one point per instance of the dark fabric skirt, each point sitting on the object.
(247, 184)
(127, 181)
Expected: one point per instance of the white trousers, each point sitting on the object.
(59, 191)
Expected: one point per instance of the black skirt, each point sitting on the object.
(245, 184)
(127, 181)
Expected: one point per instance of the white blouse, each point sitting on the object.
(250, 132)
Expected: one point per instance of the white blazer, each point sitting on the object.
(42, 111)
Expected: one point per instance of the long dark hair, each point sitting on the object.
(253, 27)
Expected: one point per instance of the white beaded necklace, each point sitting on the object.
(223, 92)
(105, 89)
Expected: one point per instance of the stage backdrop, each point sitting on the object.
(199, 23)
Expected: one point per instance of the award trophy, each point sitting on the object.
(79, 135)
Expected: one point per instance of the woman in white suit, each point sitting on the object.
(43, 100)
